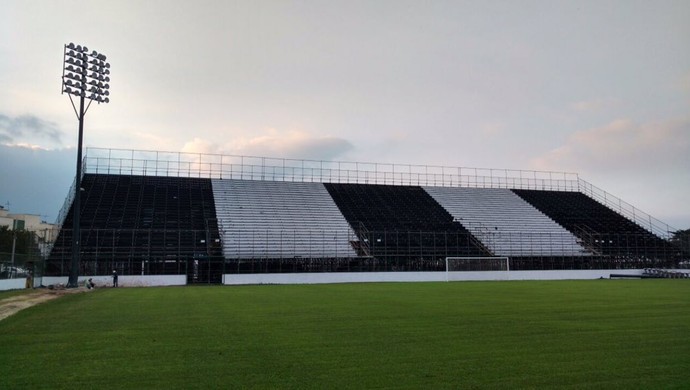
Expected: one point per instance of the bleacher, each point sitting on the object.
(208, 215)
(600, 229)
(403, 225)
(143, 224)
(505, 223)
(664, 274)
(280, 220)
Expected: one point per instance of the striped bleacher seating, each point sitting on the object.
(505, 223)
(271, 219)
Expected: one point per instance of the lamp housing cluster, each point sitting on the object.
(85, 74)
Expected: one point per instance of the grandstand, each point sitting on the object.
(213, 218)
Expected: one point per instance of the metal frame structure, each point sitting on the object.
(222, 166)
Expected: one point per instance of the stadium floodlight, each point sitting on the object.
(84, 75)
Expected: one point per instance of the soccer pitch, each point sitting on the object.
(567, 334)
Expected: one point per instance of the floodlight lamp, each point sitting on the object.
(68, 89)
(107, 100)
(84, 49)
(78, 47)
(71, 45)
(107, 64)
(107, 93)
(106, 86)
(94, 53)
(107, 71)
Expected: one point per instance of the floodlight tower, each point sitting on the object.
(85, 75)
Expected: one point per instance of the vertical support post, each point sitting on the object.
(76, 206)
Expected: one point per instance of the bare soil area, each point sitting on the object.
(16, 303)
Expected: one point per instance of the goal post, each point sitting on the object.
(489, 263)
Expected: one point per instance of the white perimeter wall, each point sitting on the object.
(12, 284)
(335, 277)
(361, 277)
(124, 280)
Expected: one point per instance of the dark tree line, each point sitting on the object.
(25, 243)
(682, 239)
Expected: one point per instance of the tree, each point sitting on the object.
(682, 239)
(25, 243)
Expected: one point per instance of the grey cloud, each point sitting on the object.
(294, 145)
(17, 129)
(327, 148)
(623, 146)
(40, 179)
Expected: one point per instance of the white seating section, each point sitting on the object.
(506, 224)
(271, 219)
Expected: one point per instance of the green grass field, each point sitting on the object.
(574, 334)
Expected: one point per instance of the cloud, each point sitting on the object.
(29, 130)
(198, 145)
(685, 82)
(290, 144)
(492, 128)
(593, 105)
(623, 145)
(36, 181)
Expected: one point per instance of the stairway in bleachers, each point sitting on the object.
(600, 228)
(403, 223)
(270, 219)
(505, 223)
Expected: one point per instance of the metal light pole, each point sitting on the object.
(84, 75)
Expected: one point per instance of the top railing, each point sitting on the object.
(627, 210)
(223, 166)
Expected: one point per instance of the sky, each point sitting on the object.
(600, 88)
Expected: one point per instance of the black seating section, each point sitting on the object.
(599, 228)
(403, 226)
(143, 225)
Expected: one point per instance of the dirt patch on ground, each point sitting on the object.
(16, 303)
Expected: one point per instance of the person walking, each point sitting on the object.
(114, 278)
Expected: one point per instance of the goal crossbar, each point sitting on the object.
(488, 263)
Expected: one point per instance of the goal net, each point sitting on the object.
(492, 263)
